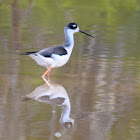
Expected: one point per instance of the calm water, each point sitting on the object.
(98, 89)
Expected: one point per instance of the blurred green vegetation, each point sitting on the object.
(54, 13)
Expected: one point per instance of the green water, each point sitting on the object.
(101, 79)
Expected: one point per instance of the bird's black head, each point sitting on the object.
(75, 28)
(72, 25)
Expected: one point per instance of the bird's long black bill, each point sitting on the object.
(86, 33)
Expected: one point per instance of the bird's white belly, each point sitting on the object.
(54, 61)
(43, 61)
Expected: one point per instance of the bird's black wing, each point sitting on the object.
(59, 50)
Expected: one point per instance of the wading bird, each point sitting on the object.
(58, 56)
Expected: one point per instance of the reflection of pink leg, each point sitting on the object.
(46, 81)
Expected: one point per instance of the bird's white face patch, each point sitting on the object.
(74, 25)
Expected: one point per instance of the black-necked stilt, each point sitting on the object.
(58, 56)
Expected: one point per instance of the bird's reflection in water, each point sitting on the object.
(54, 95)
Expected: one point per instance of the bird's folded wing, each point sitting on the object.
(59, 50)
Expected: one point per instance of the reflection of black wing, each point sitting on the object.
(59, 50)
(54, 101)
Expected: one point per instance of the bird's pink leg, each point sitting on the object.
(47, 72)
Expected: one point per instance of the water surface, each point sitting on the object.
(101, 80)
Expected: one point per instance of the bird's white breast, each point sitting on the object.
(60, 60)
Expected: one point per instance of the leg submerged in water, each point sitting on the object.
(46, 81)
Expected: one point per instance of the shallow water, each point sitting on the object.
(98, 87)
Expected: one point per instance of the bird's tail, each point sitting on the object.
(27, 53)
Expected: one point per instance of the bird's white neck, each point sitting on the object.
(69, 38)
